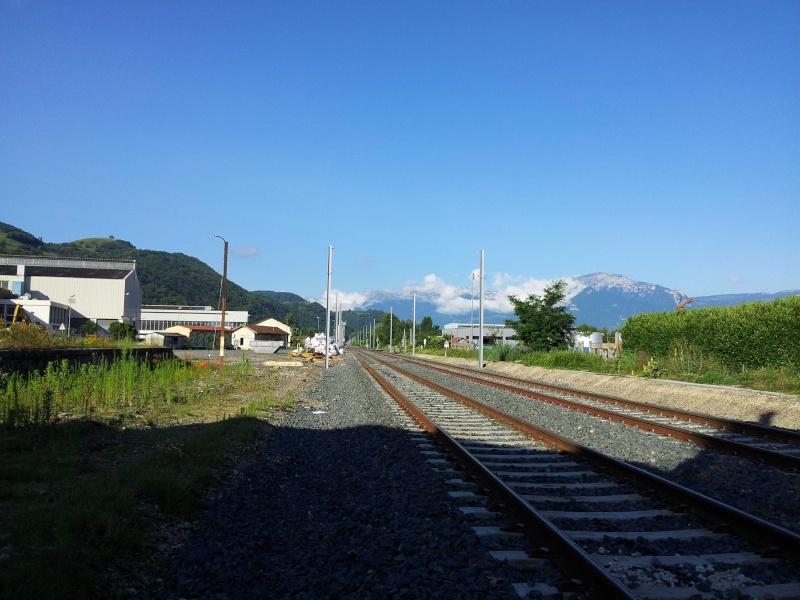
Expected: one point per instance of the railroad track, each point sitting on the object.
(615, 530)
(772, 446)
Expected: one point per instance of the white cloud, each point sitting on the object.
(459, 299)
(347, 300)
(245, 251)
(449, 299)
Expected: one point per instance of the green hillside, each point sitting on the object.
(165, 277)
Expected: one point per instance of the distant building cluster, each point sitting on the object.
(467, 335)
(64, 294)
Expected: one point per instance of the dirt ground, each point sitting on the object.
(767, 408)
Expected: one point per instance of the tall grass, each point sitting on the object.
(30, 335)
(126, 385)
(83, 497)
(684, 361)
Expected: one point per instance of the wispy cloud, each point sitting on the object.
(452, 299)
(367, 261)
(245, 251)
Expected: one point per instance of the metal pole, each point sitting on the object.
(224, 294)
(414, 327)
(328, 308)
(391, 317)
(480, 317)
(472, 311)
(70, 301)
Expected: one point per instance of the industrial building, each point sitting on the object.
(492, 333)
(160, 323)
(66, 293)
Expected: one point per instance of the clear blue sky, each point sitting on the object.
(656, 140)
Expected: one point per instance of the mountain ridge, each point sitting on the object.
(599, 299)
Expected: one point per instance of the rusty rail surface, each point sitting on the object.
(763, 455)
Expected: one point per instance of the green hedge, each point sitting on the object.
(750, 335)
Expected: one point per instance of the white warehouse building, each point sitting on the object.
(157, 318)
(70, 292)
(467, 331)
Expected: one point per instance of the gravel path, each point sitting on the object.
(304, 522)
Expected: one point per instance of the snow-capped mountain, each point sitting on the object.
(598, 299)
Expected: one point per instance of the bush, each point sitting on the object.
(748, 336)
(25, 336)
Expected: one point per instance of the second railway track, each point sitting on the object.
(646, 536)
(768, 445)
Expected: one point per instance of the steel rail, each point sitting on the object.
(771, 457)
(779, 434)
(564, 552)
(757, 530)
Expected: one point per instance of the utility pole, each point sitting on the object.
(224, 294)
(391, 317)
(480, 318)
(328, 309)
(414, 327)
(472, 312)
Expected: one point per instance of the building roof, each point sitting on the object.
(263, 329)
(198, 328)
(77, 273)
(53, 266)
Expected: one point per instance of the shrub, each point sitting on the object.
(748, 336)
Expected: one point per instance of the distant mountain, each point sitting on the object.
(598, 299)
(280, 296)
(166, 278)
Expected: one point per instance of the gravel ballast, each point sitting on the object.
(763, 491)
(341, 504)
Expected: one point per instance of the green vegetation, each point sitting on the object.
(750, 346)
(29, 335)
(96, 457)
(122, 331)
(746, 336)
(541, 323)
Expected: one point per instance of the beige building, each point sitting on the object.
(197, 337)
(275, 323)
(260, 338)
(70, 292)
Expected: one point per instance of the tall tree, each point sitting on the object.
(426, 325)
(543, 323)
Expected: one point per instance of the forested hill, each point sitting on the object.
(165, 277)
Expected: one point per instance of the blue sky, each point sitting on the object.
(656, 140)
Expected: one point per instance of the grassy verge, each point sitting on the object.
(79, 494)
(682, 364)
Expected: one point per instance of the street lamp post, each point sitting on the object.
(69, 318)
(224, 294)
